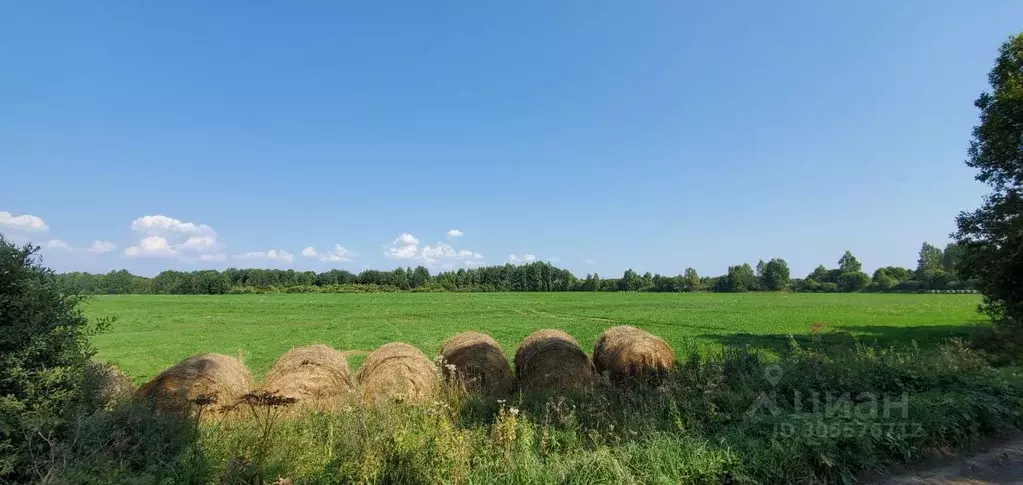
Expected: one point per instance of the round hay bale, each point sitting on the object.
(629, 352)
(204, 375)
(397, 372)
(478, 362)
(551, 360)
(310, 373)
(107, 382)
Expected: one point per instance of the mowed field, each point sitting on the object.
(152, 332)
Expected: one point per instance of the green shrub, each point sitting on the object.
(707, 422)
(44, 349)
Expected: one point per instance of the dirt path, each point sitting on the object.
(998, 463)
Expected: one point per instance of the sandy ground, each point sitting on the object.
(997, 463)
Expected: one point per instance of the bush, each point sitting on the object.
(909, 286)
(828, 287)
(823, 411)
(44, 350)
(853, 281)
(330, 288)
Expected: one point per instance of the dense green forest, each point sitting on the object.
(935, 271)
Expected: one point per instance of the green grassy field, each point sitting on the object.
(154, 332)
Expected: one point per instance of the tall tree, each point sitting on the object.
(690, 280)
(740, 278)
(950, 257)
(992, 236)
(849, 263)
(420, 276)
(929, 259)
(399, 278)
(630, 281)
(775, 275)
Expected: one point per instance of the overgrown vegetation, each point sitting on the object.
(935, 272)
(825, 411)
(44, 349)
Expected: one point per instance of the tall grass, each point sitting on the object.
(825, 411)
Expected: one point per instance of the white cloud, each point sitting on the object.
(525, 259)
(309, 252)
(184, 240)
(455, 233)
(442, 256)
(403, 252)
(25, 222)
(406, 239)
(439, 251)
(590, 261)
(100, 247)
(338, 255)
(271, 255)
(213, 257)
(405, 246)
(152, 246)
(163, 224)
(199, 243)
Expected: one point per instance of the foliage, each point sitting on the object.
(775, 275)
(851, 281)
(883, 280)
(849, 264)
(991, 237)
(630, 281)
(772, 275)
(950, 257)
(930, 260)
(740, 279)
(44, 349)
(834, 409)
(691, 280)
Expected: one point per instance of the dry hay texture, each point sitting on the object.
(397, 372)
(218, 375)
(551, 360)
(479, 363)
(629, 352)
(311, 374)
(108, 382)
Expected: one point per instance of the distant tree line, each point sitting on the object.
(935, 271)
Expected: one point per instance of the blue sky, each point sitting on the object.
(603, 135)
